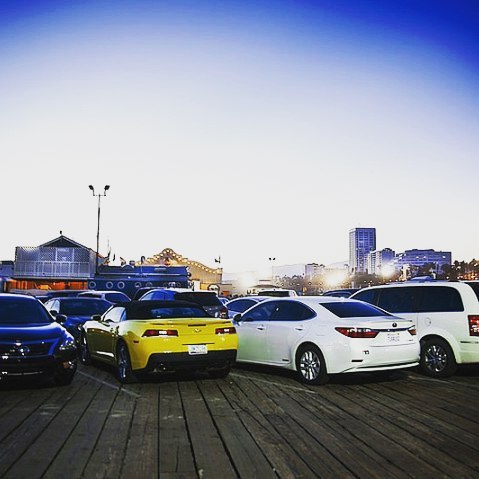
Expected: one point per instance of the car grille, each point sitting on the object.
(25, 349)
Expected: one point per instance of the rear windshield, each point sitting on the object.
(353, 309)
(85, 307)
(23, 311)
(169, 312)
(275, 294)
(203, 299)
(475, 288)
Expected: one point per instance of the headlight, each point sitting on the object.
(67, 344)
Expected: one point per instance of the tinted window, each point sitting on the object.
(291, 311)
(397, 300)
(116, 297)
(369, 296)
(203, 299)
(22, 311)
(241, 305)
(262, 312)
(168, 312)
(85, 307)
(277, 294)
(353, 310)
(440, 298)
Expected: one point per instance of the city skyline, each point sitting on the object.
(244, 130)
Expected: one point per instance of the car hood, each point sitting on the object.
(31, 332)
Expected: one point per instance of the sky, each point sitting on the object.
(243, 130)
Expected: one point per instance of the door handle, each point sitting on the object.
(260, 327)
(299, 328)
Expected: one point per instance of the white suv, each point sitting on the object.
(446, 315)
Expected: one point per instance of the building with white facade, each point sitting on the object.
(420, 257)
(378, 260)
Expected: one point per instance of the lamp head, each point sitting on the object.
(107, 187)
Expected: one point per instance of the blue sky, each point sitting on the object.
(241, 129)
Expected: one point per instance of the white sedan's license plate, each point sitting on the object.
(393, 337)
(197, 349)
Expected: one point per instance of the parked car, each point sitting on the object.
(206, 299)
(340, 293)
(32, 343)
(317, 336)
(159, 336)
(113, 297)
(73, 312)
(447, 318)
(240, 305)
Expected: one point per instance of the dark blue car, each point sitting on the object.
(32, 343)
(73, 312)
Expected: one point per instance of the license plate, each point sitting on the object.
(197, 349)
(393, 337)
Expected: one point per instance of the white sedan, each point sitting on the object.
(320, 335)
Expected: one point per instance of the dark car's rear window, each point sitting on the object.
(23, 311)
(163, 309)
(203, 299)
(83, 307)
(353, 309)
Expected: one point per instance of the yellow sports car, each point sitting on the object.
(159, 336)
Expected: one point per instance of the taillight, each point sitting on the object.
(358, 332)
(160, 332)
(229, 330)
(412, 331)
(473, 325)
(223, 314)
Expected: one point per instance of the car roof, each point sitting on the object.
(417, 284)
(15, 295)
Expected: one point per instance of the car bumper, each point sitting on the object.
(31, 366)
(162, 362)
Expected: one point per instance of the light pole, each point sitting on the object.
(272, 263)
(106, 188)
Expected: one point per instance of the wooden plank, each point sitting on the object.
(24, 438)
(76, 450)
(176, 456)
(244, 452)
(141, 455)
(51, 439)
(249, 407)
(107, 458)
(208, 449)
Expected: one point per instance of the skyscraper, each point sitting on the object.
(361, 242)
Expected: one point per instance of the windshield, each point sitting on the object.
(353, 309)
(23, 311)
(203, 299)
(85, 307)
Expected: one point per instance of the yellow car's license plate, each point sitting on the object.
(197, 349)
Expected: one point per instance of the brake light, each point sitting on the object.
(358, 332)
(473, 325)
(412, 331)
(160, 332)
(229, 330)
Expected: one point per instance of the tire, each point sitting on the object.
(437, 358)
(124, 373)
(219, 373)
(84, 351)
(310, 365)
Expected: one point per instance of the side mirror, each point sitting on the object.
(96, 317)
(53, 312)
(237, 318)
(60, 318)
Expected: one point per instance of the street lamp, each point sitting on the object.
(105, 189)
(272, 263)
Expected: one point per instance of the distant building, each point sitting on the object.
(361, 242)
(378, 260)
(420, 257)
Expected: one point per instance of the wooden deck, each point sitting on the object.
(257, 423)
